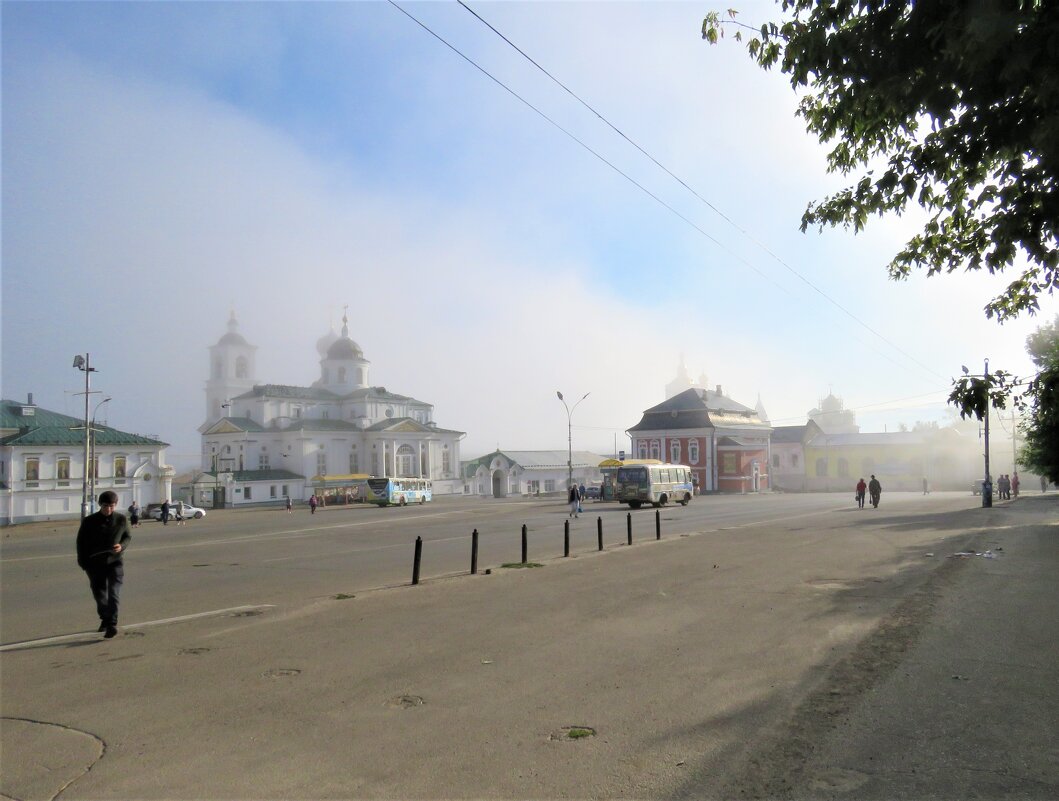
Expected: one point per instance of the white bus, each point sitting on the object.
(399, 491)
(656, 484)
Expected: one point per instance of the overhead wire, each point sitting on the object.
(710, 205)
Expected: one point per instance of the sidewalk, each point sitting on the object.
(970, 710)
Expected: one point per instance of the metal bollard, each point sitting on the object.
(658, 524)
(418, 559)
(525, 547)
(474, 552)
(599, 531)
(628, 525)
(566, 538)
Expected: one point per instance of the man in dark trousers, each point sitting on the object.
(101, 543)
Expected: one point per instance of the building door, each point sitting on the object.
(218, 497)
(498, 484)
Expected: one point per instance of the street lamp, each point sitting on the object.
(92, 454)
(570, 438)
(83, 364)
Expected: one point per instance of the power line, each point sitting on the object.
(683, 183)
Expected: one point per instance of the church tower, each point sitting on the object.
(232, 370)
(343, 367)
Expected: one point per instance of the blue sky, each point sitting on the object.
(166, 163)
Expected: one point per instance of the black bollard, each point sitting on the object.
(566, 538)
(628, 525)
(474, 552)
(418, 559)
(658, 525)
(524, 545)
(599, 531)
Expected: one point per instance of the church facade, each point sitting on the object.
(262, 442)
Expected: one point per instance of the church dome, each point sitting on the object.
(345, 348)
(233, 337)
(324, 343)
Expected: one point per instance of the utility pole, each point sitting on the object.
(84, 364)
(987, 486)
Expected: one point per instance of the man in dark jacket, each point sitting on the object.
(101, 543)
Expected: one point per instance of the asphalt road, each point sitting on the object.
(774, 646)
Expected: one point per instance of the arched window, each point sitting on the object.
(218, 369)
(843, 467)
(693, 451)
(775, 460)
(821, 466)
(674, 452)
(341, 375)
(655, 449)
(241, 367)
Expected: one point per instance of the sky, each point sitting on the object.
(494, 240)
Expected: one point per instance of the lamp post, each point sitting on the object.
(83, 363)
(92, 455)
(570, 437)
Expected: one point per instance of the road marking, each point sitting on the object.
(13, 646)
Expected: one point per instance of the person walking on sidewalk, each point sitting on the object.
(874, 491)
(861, 489)
(290, 505)
(312, 504)
(101, 543)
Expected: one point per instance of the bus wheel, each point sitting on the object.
(634, 504)
(404, 501)
(663, 500)
(686, 501)
(422, 500)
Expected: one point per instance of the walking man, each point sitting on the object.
(101, 543)
(575, 501)
(861, 489)
(874, 491)
(312, 504)
(165, 512)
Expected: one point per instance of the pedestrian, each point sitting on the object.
(165, 512)
(861, 489)
(874, 491)
(1015, 484)
(312, 504)
(101, 543)
(180, 513)
(290, 505)
(134, 514)
(575, 501)
(925, 486)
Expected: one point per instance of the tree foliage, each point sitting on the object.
(953, 106)
(1040, 452)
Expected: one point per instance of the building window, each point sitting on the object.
(843, 468)
(354, 462)
(321, 463)
(341, 375)
(246, 494)
(693, 451)
(240, 367)
(549, 485)
(272, 491)
(446, 460)
(655, 450)
(794, 460)
(775, 460)
(218, 369)
(262, 460)
(62, 468)
(821, 466)
(643, 450)
(32, 469)
(95, 467)
(297, 411)
(730, 463)
(286, 490)
(674, 452)
(327, 414)
(119, 467)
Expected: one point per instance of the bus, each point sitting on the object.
(656, 484)
(399, 491)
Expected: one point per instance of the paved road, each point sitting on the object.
(238, 558)
(718, 664)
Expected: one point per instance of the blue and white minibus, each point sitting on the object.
(399, 491)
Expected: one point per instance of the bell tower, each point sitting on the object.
(232, 370)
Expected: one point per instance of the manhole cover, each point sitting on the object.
(280, 673)
(406, 701)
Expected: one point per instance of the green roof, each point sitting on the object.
(258, 475)
(45, 427)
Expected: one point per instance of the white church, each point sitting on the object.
(264, 442)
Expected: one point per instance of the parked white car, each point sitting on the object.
(189, 512)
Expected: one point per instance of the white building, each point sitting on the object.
(262, 442)
(504, 473)
(42, 464)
